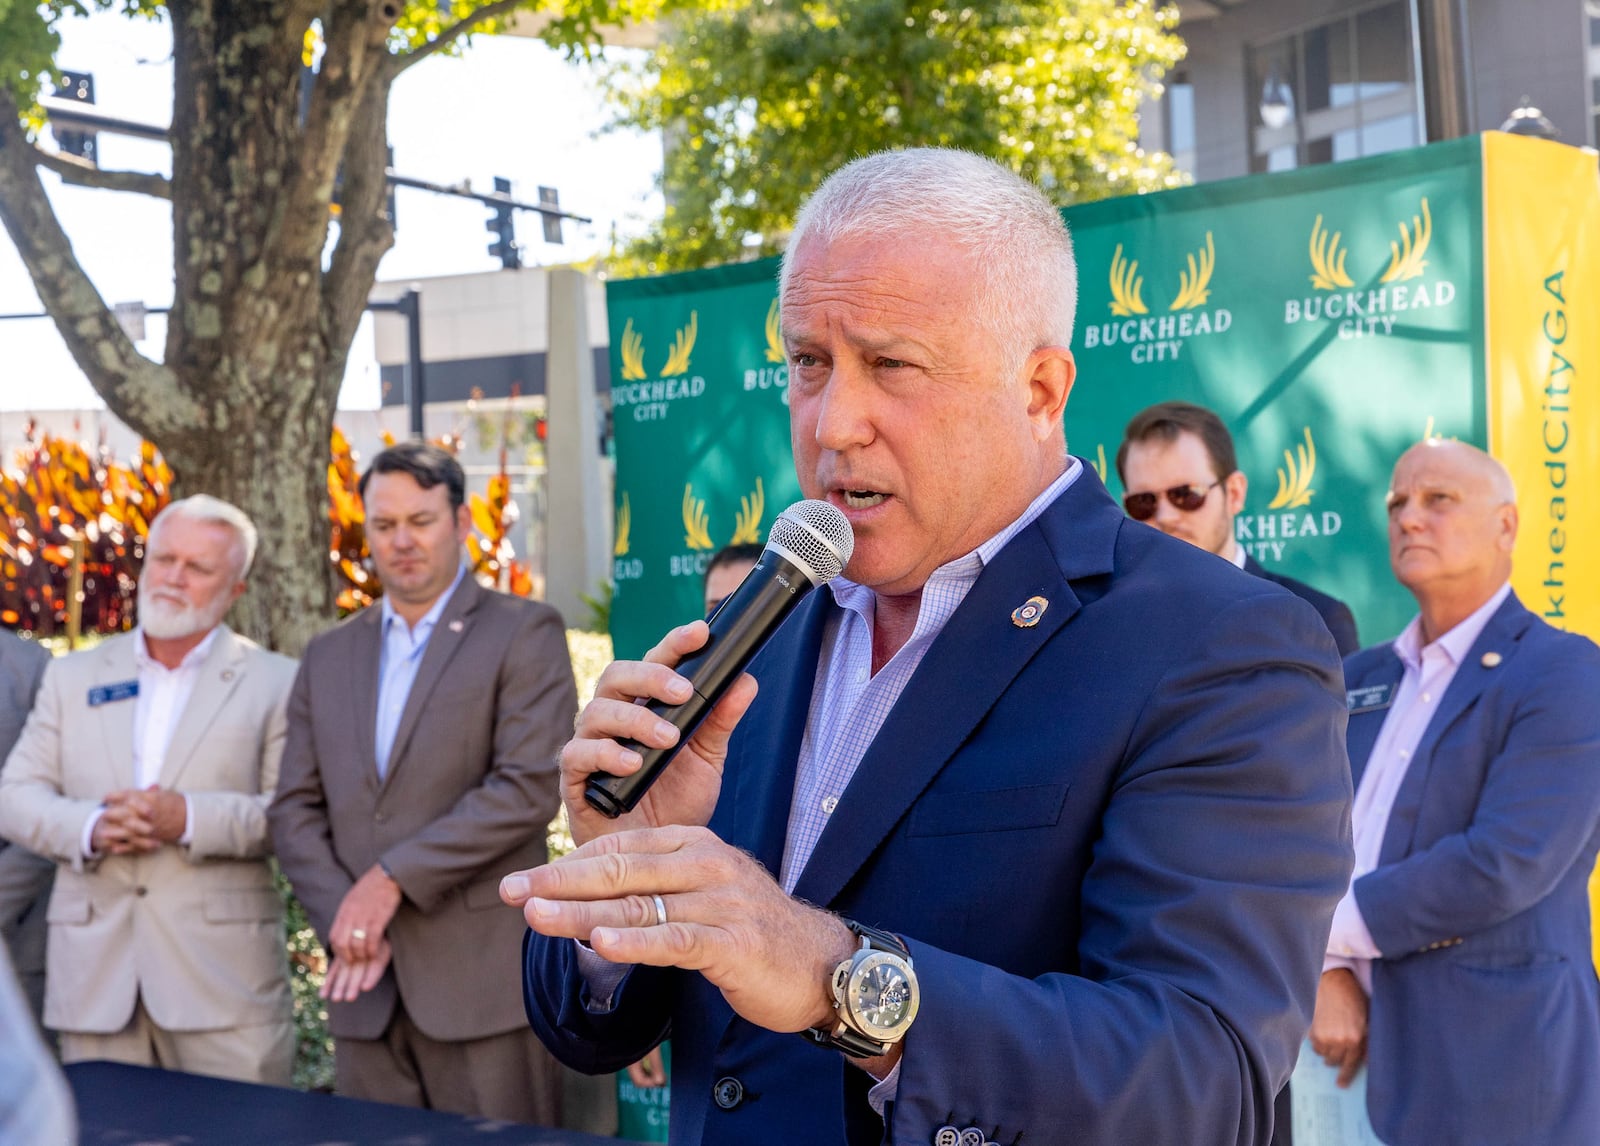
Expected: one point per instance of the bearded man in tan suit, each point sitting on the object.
(144, 771)
(420, 768)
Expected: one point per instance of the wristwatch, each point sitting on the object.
(875, 996)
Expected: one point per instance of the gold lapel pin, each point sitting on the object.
(1490, 660)
(1027, 614)
(456, 626)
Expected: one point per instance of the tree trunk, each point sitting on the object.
(272, 462)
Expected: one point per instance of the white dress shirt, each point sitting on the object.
(1428, 673)
(163, 695)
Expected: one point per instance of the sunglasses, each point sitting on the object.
(1142, 506)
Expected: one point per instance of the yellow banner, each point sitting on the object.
(1541, 225)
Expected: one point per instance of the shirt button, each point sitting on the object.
(861, 676)
(727, 1093)
(829, 803)
(1426, 697)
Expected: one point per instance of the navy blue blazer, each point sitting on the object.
(1485, 1015)
(1334, 612)
(1113, 841)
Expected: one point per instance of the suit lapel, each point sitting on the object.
(455, 625)
(763, 780)
(972, 661)
(118, 664)
(364, 690)
(1364, 727)
(1502, 635)
(218, 676)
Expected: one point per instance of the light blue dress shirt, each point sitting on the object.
(399, 656)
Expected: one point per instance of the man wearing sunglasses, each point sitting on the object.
(1178, 469)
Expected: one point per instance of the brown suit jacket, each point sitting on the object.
(471, 787)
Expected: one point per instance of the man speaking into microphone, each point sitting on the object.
(984, 861)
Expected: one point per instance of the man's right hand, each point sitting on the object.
(1339, 1024)
(686, 792)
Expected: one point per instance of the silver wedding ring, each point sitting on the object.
(661, 910)
(358, 935)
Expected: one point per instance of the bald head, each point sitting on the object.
(1452, 526)
(1469, 461)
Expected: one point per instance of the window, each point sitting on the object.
(1340, 90)
(1179, 107)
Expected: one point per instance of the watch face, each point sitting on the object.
(882, 995)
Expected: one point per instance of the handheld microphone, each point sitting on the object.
(809, 544)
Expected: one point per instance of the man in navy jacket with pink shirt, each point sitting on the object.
(1459, 970)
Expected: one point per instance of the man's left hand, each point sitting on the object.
(363, 916)
(771, 955)
(346, 980)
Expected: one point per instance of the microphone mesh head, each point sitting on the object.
(814, 536)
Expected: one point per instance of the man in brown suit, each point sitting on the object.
(420, 768)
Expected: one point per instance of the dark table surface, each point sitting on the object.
(120, 1105)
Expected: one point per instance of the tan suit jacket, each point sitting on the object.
(471, 787)
(196, 931)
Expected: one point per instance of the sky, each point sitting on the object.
(506, 106)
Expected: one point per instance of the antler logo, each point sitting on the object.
(1194, 285)
(632, 354)
(747, 527)
(1100, 461)
(1327, 260)
(624, 527)
(682, 346)
(774, 335)
(1294, 479)
(1125, 286)
(696, 525)
(1405, 257)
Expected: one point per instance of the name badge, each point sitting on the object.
(111, 693)
(1372, 697)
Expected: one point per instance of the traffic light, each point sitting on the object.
(77, 86)
(499, 225)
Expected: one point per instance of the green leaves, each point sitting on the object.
(760, 99)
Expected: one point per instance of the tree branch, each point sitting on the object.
(365, 230)
(144, 394)
(450, 35)
(82, 173)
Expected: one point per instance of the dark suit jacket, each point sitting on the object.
(471, 787)
(1114, 842)
(1334, 612)
(1485, 1014)
(25, 878)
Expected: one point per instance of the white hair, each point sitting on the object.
(1028, 288)
(204, 507)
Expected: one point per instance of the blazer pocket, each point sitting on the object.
(242, 905)
(995, 810)
(70, 908)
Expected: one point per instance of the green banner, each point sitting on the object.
(1331, 316)
(700, 405)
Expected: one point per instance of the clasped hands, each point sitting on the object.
(139, 820)
(726, 917)
(360, 948)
